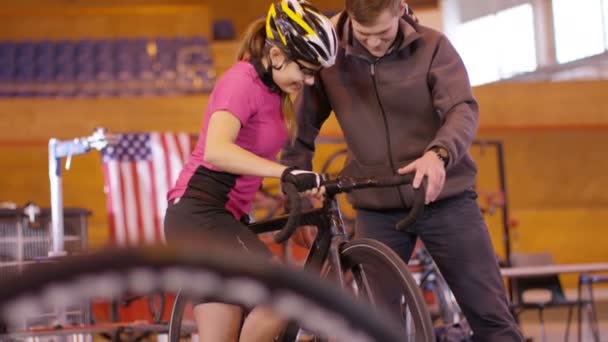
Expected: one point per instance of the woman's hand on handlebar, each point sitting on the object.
(306, 182)
(294, 181)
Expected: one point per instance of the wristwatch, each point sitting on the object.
(442, 153)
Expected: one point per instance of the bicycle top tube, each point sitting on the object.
(315, 217)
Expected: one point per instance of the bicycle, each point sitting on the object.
(347, 262)
(245, 279)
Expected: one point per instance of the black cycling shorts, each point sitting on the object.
(193, 218)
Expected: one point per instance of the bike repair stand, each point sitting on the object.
(58, 150)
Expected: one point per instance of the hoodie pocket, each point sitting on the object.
(377, 198)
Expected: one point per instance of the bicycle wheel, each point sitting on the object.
(234, 278)
(177, 315)
(382, 278)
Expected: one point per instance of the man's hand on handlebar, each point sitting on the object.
(432, 167)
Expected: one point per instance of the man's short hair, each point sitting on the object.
(366, 11)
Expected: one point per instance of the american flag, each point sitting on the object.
(139, 169)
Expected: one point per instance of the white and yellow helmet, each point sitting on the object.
(302, 32)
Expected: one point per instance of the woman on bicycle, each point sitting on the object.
(248, 119)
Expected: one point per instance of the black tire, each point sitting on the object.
(234, 278)
(177, 315)
(373, 266)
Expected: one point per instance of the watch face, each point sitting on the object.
(442, 153)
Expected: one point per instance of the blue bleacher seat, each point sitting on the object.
(44, 70)
(65, 51)
(166, 48)
(6, 75)
(24, 56)
(65, 72)
(123, 45)
(84, 51)
(7, 50)
(25, 49)
(44, 49)
(7, 62)
(167, 63)
(223, 29)
(25, 72)
(104, 51)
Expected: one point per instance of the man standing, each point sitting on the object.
(403, 100)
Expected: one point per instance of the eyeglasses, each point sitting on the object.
(308, 72)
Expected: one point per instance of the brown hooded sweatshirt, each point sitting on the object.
(391, 110)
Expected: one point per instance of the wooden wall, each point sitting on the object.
(37, 20)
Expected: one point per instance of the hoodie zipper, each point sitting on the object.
(386, 128)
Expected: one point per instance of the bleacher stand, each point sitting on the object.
(122, 67)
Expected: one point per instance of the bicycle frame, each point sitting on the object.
(331, 234)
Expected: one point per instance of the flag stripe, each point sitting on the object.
(122, 192)
(119, 222)
(167, 158)
(130, 208)
(179, 148)
(146, 213)
(160, 177)
(158, 235)
(109, 202)
(137, 202)
(175, 160)
(184, 142)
